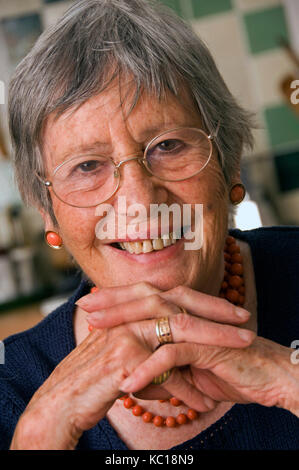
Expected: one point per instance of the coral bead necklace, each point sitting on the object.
(232, 289)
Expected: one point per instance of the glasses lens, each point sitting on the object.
(178, 154)
(85, 181)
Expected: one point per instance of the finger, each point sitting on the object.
(189, 329)
(177, 385)
(180, 388)
(168, 357)
(152, 306)
(108, 296)
(205, 381)
(158, 305)
(206, 306)
(184, 327)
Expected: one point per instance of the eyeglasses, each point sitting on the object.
(90, 179)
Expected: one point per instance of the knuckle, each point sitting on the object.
(117, 342)
(145, 287)
(124, 342)
(115, 357)
(182, 321)
(156, 301)
(167, 353)
(180, 290)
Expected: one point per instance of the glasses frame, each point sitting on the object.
(141, 160)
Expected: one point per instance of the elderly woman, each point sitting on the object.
(185, 346)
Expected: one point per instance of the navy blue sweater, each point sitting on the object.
(32, 355)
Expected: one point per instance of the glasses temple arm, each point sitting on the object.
(215, 133)
(45, 182)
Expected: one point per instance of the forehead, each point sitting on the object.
(109, 114)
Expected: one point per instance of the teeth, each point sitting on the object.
(129, 247)
(158, 244)
(173, 238)
(138, 248)
(166, 240)
(147, 246)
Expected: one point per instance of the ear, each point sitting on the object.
(48, 222)
(236, 177)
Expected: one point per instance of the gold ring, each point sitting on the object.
(163, 330)
(160, 379)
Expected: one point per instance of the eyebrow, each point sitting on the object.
(84, 148)
(145, 135)
(157, 130)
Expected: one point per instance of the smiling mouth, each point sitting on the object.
(147, 246)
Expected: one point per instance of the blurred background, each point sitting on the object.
(256, 46)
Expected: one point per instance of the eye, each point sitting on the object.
(89, 166)
(170, 145)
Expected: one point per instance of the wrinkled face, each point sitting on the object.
(105, 125)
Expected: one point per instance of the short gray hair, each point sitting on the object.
(97, 40)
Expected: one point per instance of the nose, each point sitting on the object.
(137, 184)
(138, 156)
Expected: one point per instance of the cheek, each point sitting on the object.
(208, 188)
(211, 191)
(216, 206)
(216, 189)
(76, 226)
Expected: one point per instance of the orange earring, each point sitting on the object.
(237, 193)
(53, 240)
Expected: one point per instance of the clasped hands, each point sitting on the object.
(214, 358)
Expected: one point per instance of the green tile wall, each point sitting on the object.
(283, 125)
(174, 4)
(287, 170)
(264, 28)
(210, 7)
(199, 8)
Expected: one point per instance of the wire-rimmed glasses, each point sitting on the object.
(90, 179)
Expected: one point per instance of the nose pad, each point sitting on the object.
(137, 158)
(142, 163)
(130, 158)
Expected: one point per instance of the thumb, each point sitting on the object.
(169, 356)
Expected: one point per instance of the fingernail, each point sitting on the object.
(242, 313)
(81, 303)
(85, 300)
(245, 335)
(99, 315)
(209, 403)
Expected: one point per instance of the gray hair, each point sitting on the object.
(97, 40)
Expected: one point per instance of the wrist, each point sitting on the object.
(44, 428)
(290, 397)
